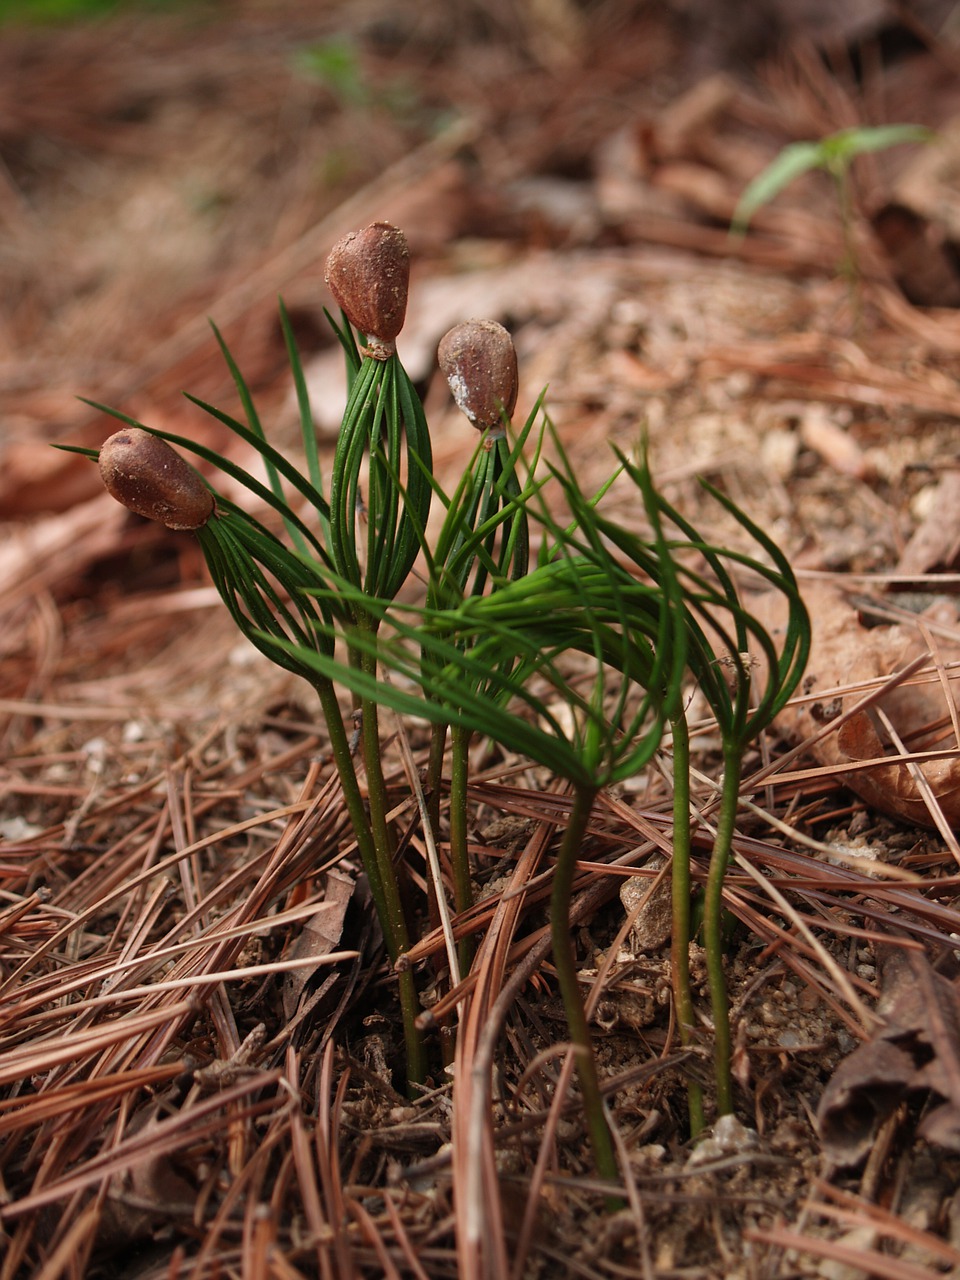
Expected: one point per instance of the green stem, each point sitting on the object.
(850, 267)
(386, 898)
(432, 785)
(410, 1010)
(395, 931)
(565, 961)
(434, 778)
(340, 747)
(393, 919)
(459, 857)
(713, 927)
(398, 938)
(680, 940)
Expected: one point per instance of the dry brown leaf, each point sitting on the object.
(320, 935)
(935, 544)
(919, 225)
(832, 443)
(847, 660)
(917, 1048)
(864, 1090)
(148, 1192)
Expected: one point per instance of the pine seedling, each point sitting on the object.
(484, 541)
(708, 613)
(265, 582)
(592, 535)
(746, 686)
(833, 155)
(376, 532)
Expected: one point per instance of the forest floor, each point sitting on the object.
(199, 1044)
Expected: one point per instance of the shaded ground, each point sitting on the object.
(168, 812)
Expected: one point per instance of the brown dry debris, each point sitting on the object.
(198, 1032)
(879, 704)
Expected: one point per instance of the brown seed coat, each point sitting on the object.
(368, 273)
(479, 361)
(144, 474)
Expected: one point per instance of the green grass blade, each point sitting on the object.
(796, 159)
(862, 139)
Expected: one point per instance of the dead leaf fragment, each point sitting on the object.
(919, 226)
(320, 935)
(935, 544)
(832, 443)
(917, 1048)
(846, 655)
(651, 906)
(865, 1089)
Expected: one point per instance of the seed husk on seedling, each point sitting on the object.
(479, 361)
(368, 273)
(483, 542)
(146, 476)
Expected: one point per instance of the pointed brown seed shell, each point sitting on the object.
(479, 361)
(144, 474)
(368, 273)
